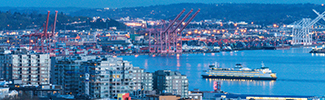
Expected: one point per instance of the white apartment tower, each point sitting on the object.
(33, 69)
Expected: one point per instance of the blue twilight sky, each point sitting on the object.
(130, 3)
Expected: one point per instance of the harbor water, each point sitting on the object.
(298, 72)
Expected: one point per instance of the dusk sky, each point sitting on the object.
(130, 3)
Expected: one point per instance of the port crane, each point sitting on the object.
(301, 29)
(168, 39)
(42, 40)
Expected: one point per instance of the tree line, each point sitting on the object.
(20, 21)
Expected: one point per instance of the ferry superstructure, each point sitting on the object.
(239, 72)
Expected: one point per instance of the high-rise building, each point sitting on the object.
(32, 69)
(166, 81)
(143, 82)
(108, 76)
(65, 72)
(97, 76)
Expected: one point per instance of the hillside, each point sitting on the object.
(257, 13)
(40, 10)
(16, 21)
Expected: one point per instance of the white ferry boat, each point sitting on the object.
(238, 72)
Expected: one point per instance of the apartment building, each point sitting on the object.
(166, 81)
(143, 82)
(99, 77)
(33, 69)
(65, 71)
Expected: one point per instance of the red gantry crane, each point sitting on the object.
(170, 39)
(40, 42)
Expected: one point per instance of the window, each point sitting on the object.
(25, 76)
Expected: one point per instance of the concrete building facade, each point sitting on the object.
(65, 72)
(99, 77)
(143, 82)
(166, 81)
(108, 76)
(32, 69)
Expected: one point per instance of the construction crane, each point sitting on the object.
(301, 29)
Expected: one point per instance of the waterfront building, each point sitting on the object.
(166, 81)
(33, 69)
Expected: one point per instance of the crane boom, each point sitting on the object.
(54, 24)
(180, 22)
(45, 31)
(318, 14)
(188, 22)
(172, 23)
(316, 19)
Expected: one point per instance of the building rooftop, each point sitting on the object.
(168, 73)
(164, 94)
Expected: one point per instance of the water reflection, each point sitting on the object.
(317, 54)
(188, 66)
(145, 63)
(178, 63)
(306, 49)
(199, 66)
(300, 50)
(243, 82)
(223, 53)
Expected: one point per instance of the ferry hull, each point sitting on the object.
(234, 77)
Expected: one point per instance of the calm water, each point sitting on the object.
(298, 72)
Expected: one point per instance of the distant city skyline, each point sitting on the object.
(131, 3)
